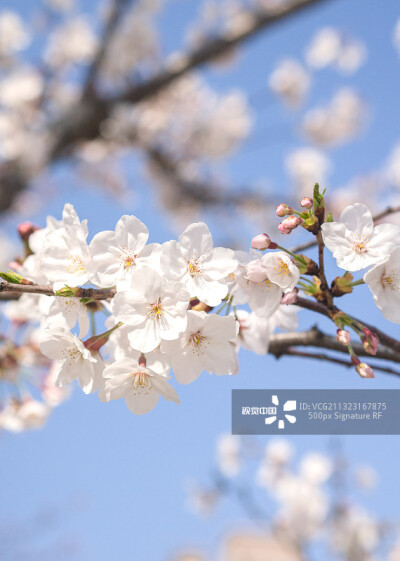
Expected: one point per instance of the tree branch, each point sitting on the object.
(9, 289)
(260, 20)
(82, 121)
(327, 358)
(281, 342)
(319, 308)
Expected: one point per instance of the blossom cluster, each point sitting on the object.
(184, 304)
(159, 299)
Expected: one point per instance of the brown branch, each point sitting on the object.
(193, 191)
(280, 342)
(113, 19)
(261, 20)
(319, 308)
(10, 289)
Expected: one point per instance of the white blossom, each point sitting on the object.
(72, 43)
(254, 332)
(339, 121)
(138, 385)
(281, 270)
(306, 164)
(14, 36)
(228, 454)
(156, 308)
(74, 359)
(195, 262)
(355, 242)
(115, 255)
(207, 344)
(290, 81)
(384, 283)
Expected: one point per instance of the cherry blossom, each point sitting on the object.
(281, 270)
(384, 283)
(114, 255)
(156, 308)
(207, 344)
(355, 242)
(138, 385)
(195, 262)
(74, 360)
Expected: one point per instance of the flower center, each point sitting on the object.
(198, 342)
(360, 245)
(75, 264)
(195, 266)
(155, 311)
(141, 384)
(128, 259)
(72, 355)
(389, 281)
(282, 268)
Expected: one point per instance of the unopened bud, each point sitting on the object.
(364, 370)
(256, 271)
(283, 210)
(291, 222)
(95, 343)
(370, 341)
(306, 202)
(283, 230)
(262, 241)
(142, 360)
(26, 229)
(343, 337)
(290, 297)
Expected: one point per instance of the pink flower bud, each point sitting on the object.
(364, 370)
(255, 271)
(306, 202)
(283, 210)
(282, 229)
(142, 360)
(370, 341)
(14, 265)
(262, 241)
(291, 222)
(26, 229)
(290, 297)
(343, 336)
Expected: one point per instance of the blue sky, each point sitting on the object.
(100, 483)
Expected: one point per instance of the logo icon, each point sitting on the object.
(289, 405)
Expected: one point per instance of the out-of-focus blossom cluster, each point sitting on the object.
(304, 506)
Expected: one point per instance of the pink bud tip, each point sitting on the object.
(364, 370)
(262, 241)
(291, 222)
(290, 297)
(283, 229)
(306, 202)
(343, 336)
(142, 361)
(283, 210)
(25, 229)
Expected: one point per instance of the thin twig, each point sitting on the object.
(327, 358)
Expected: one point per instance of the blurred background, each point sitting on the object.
(177, 111)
